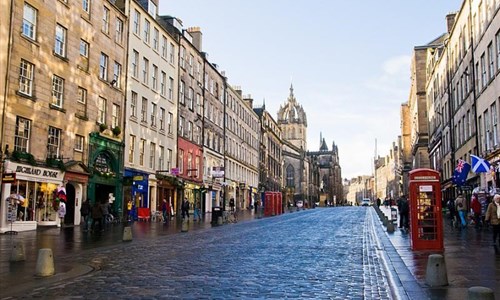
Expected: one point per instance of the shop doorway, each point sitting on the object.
(69, 218)
(102, 192)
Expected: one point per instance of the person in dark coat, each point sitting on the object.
(97, 215)
(185, 209)
(85, 213)
(404, 211)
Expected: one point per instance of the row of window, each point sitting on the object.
(241, 152)
(26, 87)
(157, 160)
(23, 134)
(167, 50)
(488, 129)
(192, 168)
(241, 174)
(158, 119)
(187, 130)
(190, 97)
(158, 78)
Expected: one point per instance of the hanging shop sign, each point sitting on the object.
(217, 172)
(8, 177)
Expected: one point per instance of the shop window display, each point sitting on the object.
(44, 208)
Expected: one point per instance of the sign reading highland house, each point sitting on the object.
(32, 172)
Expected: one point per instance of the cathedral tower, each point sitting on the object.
(293, 122)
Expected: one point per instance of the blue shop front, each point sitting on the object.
(135, 190)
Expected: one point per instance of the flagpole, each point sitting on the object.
(375, 171)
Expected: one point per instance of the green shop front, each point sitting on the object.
(106, 168)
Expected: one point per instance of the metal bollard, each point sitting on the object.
(18, 253)
(45, 263)
(480, 293)
(436, 271)
(127, 234)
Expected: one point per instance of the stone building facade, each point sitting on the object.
(329, 174)
(463, 95)
(151, 113)
(270, 156)
(64, 86)
(388, 180)
(292, 120)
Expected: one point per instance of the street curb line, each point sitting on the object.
(394, 281)
(38, 282)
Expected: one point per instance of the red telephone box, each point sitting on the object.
(268, 204)
(275, 204)
(280, 203)
(426, 219)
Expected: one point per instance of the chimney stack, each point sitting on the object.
(450, 21)
(195, 32)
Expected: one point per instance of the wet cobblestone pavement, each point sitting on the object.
(320, 254)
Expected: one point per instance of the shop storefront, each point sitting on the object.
(105, 165)
(231, 192)
(31, 200)
(212, 196)
(192, 193)
(166, 190)
(76, 178)
(137, 190)
(242, 196)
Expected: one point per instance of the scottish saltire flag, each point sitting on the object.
(479, 165)
(460, 173)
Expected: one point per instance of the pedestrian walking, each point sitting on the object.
(461, 207)
(453, 212)
(129, 210)
(164, 210)
(185, 209)
(476, 210)
(493, 217)
(404, 211)
(105, 212)
(378, 202)
(231, 204)
(85, 212)
(62, 213)
(97, 216)
(197, 209)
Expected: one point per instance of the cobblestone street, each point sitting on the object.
(321, 254)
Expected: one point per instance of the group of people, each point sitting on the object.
(185, 210)
(483, 213)
(97, 213)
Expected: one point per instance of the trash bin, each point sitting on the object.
(216, 213)
(394, 215)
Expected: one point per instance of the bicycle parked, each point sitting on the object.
(112, 219)
(157, 216)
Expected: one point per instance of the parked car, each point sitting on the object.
(365, 202)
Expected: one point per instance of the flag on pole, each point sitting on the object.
(460, 173)
(479, 165)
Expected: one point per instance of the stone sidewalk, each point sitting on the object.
(470, 256)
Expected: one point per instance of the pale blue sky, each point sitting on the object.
(349, 61)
